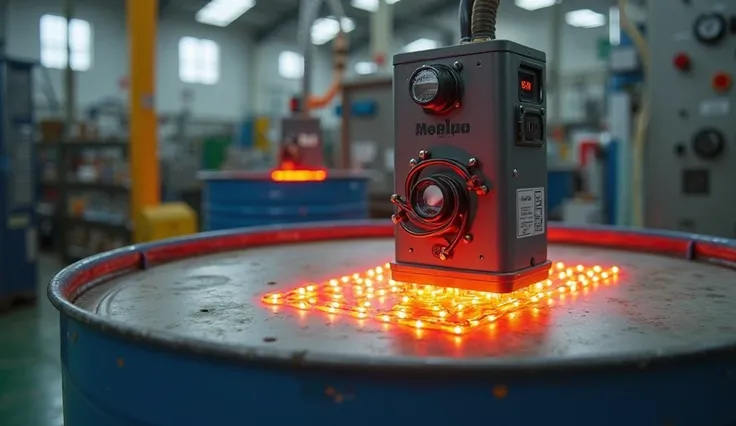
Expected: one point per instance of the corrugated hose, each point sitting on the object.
(483, 20)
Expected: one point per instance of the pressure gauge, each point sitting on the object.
(708, 143)
(710, 28)
(435, 88)
(425, 86)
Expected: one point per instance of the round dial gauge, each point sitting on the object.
(435, 88)
(425, 86)
(710, 28)
(709, 143)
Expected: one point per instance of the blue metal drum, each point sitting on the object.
(176, 333)
(243, 199)
(560, 187)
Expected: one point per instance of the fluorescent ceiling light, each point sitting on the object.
(222, 13)
(421, 44)
(325, 29)
(535, 4)
(364, 68)
(614, 26)
(369, 5)
(585, 18)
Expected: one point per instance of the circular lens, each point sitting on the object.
(425, 86)
(432, 200)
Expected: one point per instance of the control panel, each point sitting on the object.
(690, 153)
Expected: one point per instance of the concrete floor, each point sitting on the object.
(30, 370)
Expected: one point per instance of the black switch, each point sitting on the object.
(733, 24)
(695, 182)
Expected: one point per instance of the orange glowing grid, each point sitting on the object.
(372, 295)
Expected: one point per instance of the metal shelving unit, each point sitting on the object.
(86, 232)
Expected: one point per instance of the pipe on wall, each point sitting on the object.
(4, 12)
(69, 81)
(308, 11)
(308, 14)
(554, 55)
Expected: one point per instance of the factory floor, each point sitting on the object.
(30, 370)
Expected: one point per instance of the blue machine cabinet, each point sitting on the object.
(18, 239)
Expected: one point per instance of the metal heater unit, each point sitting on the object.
(471, 167)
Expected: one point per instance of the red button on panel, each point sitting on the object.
(682, 62)
(722, 82)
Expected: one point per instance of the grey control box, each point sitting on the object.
(689, 167)
(471, 166)
(306, 133)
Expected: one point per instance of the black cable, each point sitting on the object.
(465, 14)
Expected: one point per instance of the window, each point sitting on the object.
(421, 44)
(291, 65)
(199, 61)
(54, 45)
(364, 68)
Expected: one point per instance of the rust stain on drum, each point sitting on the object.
(500, 391)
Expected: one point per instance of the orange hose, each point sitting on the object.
(318, 102)
(340, 49)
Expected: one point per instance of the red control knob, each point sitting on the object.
(682, 62)
(722, 82)
(295, 104)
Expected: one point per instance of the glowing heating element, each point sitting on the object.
(298, 175)
(372, 295)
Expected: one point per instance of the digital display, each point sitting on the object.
(528, 85)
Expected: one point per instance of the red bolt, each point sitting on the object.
(682, 62)
(722, 82)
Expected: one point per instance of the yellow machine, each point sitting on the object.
(260, 134)
(151, 219)
(165, 221)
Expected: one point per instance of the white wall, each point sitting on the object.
(226, 99)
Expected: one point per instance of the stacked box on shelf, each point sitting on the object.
(94, 189)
